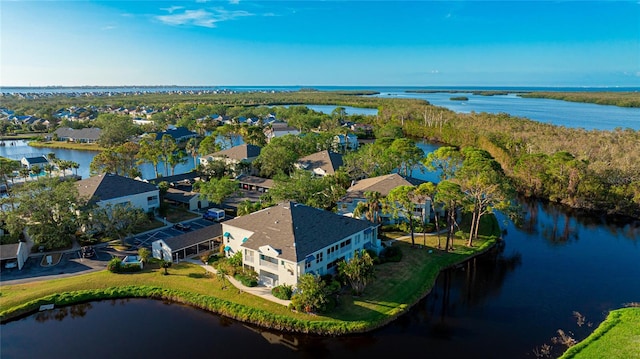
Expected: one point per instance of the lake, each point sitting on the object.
(560, 113)
(500, 305)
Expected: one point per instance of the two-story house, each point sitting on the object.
(283, 242)
(234, 156)
(383, 185)
(113, 189)
(320, 163)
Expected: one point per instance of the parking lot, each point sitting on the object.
(145, 239)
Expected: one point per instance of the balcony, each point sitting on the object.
(268, 264)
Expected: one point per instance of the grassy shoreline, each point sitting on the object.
(67, 145)
(397, 288)
(613, 338)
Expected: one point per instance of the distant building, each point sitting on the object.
(83, 135)
(279, 129)
(233, 156)
(179, 134)
(320, 163)
(39, 161)
(383, 185)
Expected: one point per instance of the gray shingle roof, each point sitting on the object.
(179, 196)
(9, 251)
(382, 184)
(194, 237)
(329, 162)
(91, 133)
(107, 186)
(239, 153)
(296, 230)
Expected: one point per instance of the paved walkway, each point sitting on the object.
(260, 290)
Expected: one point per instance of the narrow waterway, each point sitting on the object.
(501, 305)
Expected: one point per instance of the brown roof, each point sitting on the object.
(296, 230)
(179, 196)
(238, 153)
(382, 184)
(9, 251)
(107, 186)
(255, 181)
(194, 237)
(329, 162)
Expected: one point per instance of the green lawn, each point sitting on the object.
(396, 288)
(617, 337)
(67, 145)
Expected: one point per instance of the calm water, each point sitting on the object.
(18, 149)
(347, 109)
(501, 305)
(561, 113)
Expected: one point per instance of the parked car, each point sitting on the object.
(182, 227)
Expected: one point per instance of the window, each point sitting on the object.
(307, 265)
(358, 239)
(319, 257)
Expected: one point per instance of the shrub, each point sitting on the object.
(129, 268)
(236, 260)
(391, 254)
(283, 291)
(373, 255)
(247, 278)
(114, 265)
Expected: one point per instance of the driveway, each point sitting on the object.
(71, 263)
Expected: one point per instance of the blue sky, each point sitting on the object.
(332, 43)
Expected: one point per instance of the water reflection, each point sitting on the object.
(59, 314)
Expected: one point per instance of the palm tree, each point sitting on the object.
(192, 149)
(35, 170)
(370, 208)
(75, 166)
(24, 173)
(176, 158)
(49, 169)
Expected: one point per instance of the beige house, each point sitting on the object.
(320, 163)
(383, 185)
(285, 241)
(233, 156)
(191, 200)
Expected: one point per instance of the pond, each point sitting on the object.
(504, 304)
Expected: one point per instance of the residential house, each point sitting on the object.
(320, 163)
(283, 242)
(188, 244)
(39, 161)
(193, 201)
(113, 189)
(179, 134)
(342, 143)
(383, 185)
(253, 183)
(83, 135)
(279, 129)
(243, 154)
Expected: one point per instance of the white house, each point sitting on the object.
(279, 129)
(383, 185)
(320, 163)
(285, 241)
(34, 161)
(113, 189)
(233, 156)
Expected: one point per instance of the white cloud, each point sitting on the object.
(108, 27)
(171, 9)
(201, 17)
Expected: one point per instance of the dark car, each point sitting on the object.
(88, 252)
(182, 227)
